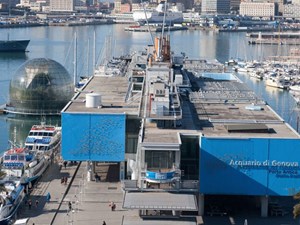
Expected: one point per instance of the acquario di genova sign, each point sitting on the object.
(266, 163)
(282, 169)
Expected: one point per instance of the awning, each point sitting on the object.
(139, 221)
(160, 201)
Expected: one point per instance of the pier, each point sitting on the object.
(153, 28)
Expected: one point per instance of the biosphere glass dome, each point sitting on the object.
(40, 86)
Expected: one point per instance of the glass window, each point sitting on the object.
(159, 159)
(131, 145)
(21, 157)
(13, 157)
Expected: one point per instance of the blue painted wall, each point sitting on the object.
(96, 137)
(252, 166)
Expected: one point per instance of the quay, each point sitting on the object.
(90, 200)
(153, 29)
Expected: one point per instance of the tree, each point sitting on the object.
(296, 209)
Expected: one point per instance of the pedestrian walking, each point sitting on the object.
(48, 197)
(60, 165)
(66, 180)
(112, 206)
(65, 164)
(70, 206)
(36, 203)
(62, 180)
(104, 223)
(29, 204)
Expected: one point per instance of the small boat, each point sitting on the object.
(44, 138)
(277, 82)
(11, 196)
(295, 88)
(13, 45)
(27, 165)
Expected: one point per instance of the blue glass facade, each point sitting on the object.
(96, 137)
(254, 166)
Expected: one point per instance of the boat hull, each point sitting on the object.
(13, 212)
(14, 45)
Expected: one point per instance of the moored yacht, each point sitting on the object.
(27, 165)
(44, 138)
(295, 88)
(11, 197)
(277, 83)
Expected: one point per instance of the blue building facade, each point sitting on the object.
(96, 137)
(250, 166)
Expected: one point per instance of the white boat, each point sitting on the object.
(256, 75)
(157, 15)
(295, 88)
(277, 83)
(27, 165)
(11, 197)
(44, 138)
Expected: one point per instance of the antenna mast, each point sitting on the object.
(147, 22)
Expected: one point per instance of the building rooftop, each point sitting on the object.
(216, 105)
(112, 91)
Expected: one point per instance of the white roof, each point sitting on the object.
(21, 221)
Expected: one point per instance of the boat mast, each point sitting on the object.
(75, 58)
(88, 57)
(94, 52)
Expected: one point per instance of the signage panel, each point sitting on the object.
(253, 166)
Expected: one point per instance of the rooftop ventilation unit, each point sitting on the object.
(247, 128)
(93, 100)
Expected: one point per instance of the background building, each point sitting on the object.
(291, 11)
(258, 9)
(215, 7)
(61, 6)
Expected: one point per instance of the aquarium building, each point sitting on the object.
(179, 135)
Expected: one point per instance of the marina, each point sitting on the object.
(112, 94)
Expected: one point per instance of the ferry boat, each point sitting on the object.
(44, 138)
(158, 15)
(11, 197)
(13, 45)
(27, 165)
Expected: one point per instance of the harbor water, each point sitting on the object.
(97, 43)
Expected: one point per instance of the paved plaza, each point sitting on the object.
(90, 203)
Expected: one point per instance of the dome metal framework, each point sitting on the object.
(40, 86)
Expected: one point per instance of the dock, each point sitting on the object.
(137, 28)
